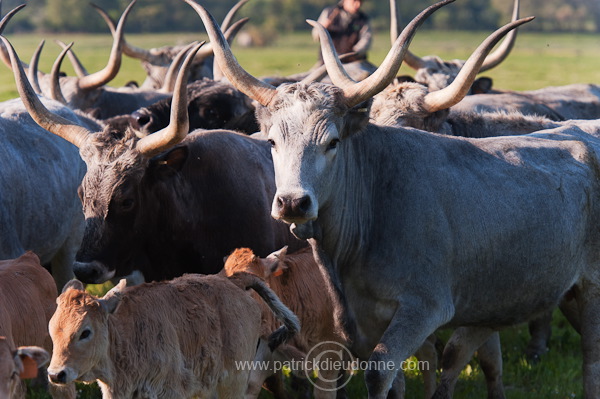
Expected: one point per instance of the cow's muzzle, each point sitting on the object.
(294, 208)
(92, 272)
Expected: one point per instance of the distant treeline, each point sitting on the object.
(274, 16)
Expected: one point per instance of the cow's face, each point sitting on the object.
(211, 105)
(110, 196)
(307, 127)
(79, 333)
(16, 365)
(10, 369)
(401, 104)
(437, 73)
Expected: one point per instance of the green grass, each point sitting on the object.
(536, 61)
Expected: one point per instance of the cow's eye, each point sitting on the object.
(272, 143)
(85, 334)
(127, 204)
(332, 144)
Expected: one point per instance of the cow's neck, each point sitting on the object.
(344, 226)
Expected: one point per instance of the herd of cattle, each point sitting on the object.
(270, 215)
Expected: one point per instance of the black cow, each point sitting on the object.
(211, 105)
(168, 198)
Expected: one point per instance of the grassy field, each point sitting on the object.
(537, 61)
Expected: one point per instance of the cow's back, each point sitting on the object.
(28, 296)
(195, 327)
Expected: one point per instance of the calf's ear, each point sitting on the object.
(166, 164)
(112, 298)
(31, 358)
(74, 284)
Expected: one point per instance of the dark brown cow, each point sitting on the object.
(171, 198)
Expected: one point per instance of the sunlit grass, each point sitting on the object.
(538, 60)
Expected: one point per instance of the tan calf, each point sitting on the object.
(297, 280)
(172, 339)
(17, 364)
(27, 302)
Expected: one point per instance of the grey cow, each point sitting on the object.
(418, 230)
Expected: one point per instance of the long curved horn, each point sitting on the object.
(128, 49)
(178, 128)
(32, 71)
(8, 17)
(55, 92)
(242, 80)
(229, 34)
(331, 61)
(5, 57)
(78, 67)
(109, 72)
(504, 49)
(355, 93)
(458, 89)
(173, 71)
(56, 124)
(394, 21)
(231, 14)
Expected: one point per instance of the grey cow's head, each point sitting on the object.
(436, 73)
(411, 104)
(117, 162)
(308, 125)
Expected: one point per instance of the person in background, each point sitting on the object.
(349, 28)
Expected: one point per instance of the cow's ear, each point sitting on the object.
(74, 284)
(274, 263)
(404, 78)
(112, 298)
(482, 85)
(31, 357)
(170, 162)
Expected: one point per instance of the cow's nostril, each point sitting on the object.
(303, 204)
(60, 378)
(143, 120)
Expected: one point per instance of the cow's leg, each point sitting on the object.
(428, 353)
(326, 385)
(458, 351)
(569, 308)
(490, 360)
(406, 332)
(588, 300)
(257, 375)
(62, 262)
(540, 330)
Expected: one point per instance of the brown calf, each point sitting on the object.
(17, 364)
(27, 302)
(297, 280)
(170, 339)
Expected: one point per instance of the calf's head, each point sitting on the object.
(80, 333)
(18, 364)
(244, 260)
